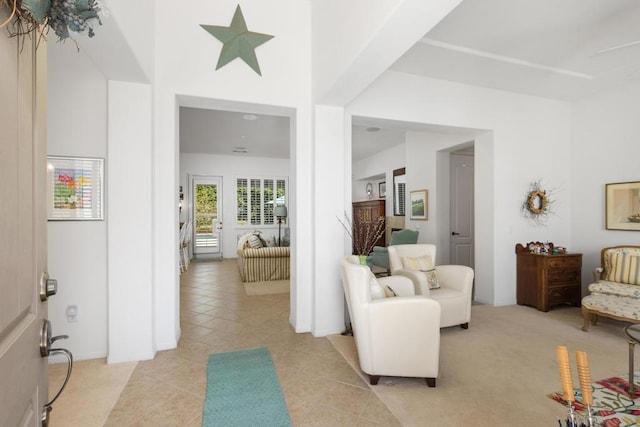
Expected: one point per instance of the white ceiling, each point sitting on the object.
(549, 48)
(232, 133)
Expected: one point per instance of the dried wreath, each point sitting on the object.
(60, 15)
(538, 203)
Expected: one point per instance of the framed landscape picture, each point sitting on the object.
(75, 188)
(623, 206)
(419, 208)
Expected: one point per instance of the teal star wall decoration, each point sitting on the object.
(238, 41)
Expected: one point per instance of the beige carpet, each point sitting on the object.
(267, 287)
(500, 370)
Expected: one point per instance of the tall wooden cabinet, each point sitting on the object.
(370, 210)
(545, 280)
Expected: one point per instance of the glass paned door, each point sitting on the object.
(207, 215)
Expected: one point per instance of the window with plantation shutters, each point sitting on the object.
(256, 199)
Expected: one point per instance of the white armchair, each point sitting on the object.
(397, 336)
(456, 282)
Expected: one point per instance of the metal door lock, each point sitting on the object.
(48, 287)
(46, 339)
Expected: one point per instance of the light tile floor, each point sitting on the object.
(320, 387)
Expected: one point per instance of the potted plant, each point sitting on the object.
(364, 234)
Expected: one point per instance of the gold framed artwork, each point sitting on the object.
(419, 207)
(75, 188)
(623, 206)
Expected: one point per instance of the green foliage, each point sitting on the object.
(206, 207)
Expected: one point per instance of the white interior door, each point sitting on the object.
(23, 372)
(206, 202)
(461, 243)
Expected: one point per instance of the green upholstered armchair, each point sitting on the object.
(380, 257)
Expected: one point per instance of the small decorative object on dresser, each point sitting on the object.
(546, 278)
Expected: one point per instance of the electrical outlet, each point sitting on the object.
(72, 313)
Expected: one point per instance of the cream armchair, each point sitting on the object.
(456, 282)
(395, 336)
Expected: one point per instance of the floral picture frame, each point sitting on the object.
(75, 188)
(419, 207)
(622, 206)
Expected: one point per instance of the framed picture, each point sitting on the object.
(382, 189)
(623, 206)
(75, 188)
(419, 208)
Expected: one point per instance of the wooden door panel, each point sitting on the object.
(462, 210)
(23, 384)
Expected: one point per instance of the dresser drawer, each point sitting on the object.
(563, 277)
(563, 263)
(563, 294)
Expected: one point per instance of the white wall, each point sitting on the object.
(185, 68)
(130, 283)
(77, 250)
(423, 173)
(230, 168)
(531, 139)
(384, 163)
(604, 150)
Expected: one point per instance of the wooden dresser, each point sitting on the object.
(545, 280)
(370, 210)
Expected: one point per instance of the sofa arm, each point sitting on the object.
(459, 277)
(403, 286)
(597, 274)
(419, 280)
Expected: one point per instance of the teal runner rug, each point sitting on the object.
(243, 390)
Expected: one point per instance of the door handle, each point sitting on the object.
(453, 233)
(45, 351)
(48, 287)
(46, 339)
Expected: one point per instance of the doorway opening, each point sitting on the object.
(206, 199)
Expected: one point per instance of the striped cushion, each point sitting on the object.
(254, 241)
(623, 268)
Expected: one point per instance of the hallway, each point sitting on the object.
(320, 387)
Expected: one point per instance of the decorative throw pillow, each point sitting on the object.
(389, 292)
(623, 268)
(377, 291)
(270, 241)
(424, 264)
(254, 241)
(420, 263)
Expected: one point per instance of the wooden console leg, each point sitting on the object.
(373, 379)
(431, 382)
